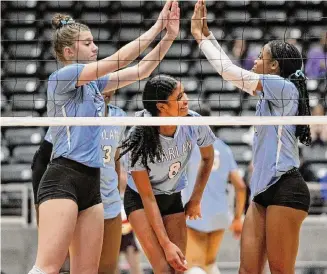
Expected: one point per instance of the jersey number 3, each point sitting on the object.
(107, 152)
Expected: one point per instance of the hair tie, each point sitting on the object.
(299, 73)
(66, 22)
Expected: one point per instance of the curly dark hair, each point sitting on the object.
(144, 141)
(290, 61)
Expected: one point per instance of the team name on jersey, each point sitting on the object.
(111, 134)
(172, 153)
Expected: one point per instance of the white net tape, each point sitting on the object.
(161, 121)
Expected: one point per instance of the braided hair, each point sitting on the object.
(290, 63)
(144, 141)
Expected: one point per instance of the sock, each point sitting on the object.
(36, 270)
(212, 269)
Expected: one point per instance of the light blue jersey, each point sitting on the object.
(214, 205)
(47, 136)
(168, 174)
(275, 148)
(111, 137)
(78, 143)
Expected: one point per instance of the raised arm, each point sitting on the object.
(126, 54)
(241, 78)
(148, 64)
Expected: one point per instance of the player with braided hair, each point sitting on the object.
(280, 196)
(156, 175)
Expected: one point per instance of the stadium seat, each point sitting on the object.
(16, 173)
(171, 67)
(5, 154)
(233, 135)
(28, 102)
(24, 136)
(315, 153)
(225, 101)
(20, 85)
(24, 154)
(21, 34)
(21, 68)
(242, 153)
(25, 51)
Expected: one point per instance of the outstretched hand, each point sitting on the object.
(163, 16)
(173, 20)
(199, 25)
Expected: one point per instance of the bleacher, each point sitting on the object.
(27, 62)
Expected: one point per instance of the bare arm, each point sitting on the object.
(173, 254)
(126, 54)
(192, 208)
(240, 192)
(148, 64)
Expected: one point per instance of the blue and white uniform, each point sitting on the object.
(111, 138)
(78, 143)
(215, 210)
(275, 148)
(168, 174)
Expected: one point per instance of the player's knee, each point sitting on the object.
(279, 268)
(247, 270)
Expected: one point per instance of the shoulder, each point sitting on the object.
(116, 111)
(67, 71)
(270, 81)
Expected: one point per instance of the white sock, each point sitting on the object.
(195, 270)
(36, 270)
(212, 269)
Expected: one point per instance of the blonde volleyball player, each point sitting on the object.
(69, 195)
(280, 196)
(205, 235)
(157, 160)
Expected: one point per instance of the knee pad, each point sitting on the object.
(212, 269)
(195, 270)
(36, 270)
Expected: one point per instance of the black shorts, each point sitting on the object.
(168, 204)
(290, 190)
(128, 240)
(39, 165)
(68, 179)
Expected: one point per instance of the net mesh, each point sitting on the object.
(242, 28)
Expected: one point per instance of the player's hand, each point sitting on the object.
(197, 22)
(236, 228)
(173, 20)
(193, 210)
(205, 30)
(175, 257)
(163, 16)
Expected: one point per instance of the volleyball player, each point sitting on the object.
(280, 196)
(70, 209)
(204, 235)
(158, 158)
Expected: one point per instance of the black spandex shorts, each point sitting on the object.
(68, 179)
(126, 241)
(290, 190)
(168, 204)
(39, 165)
